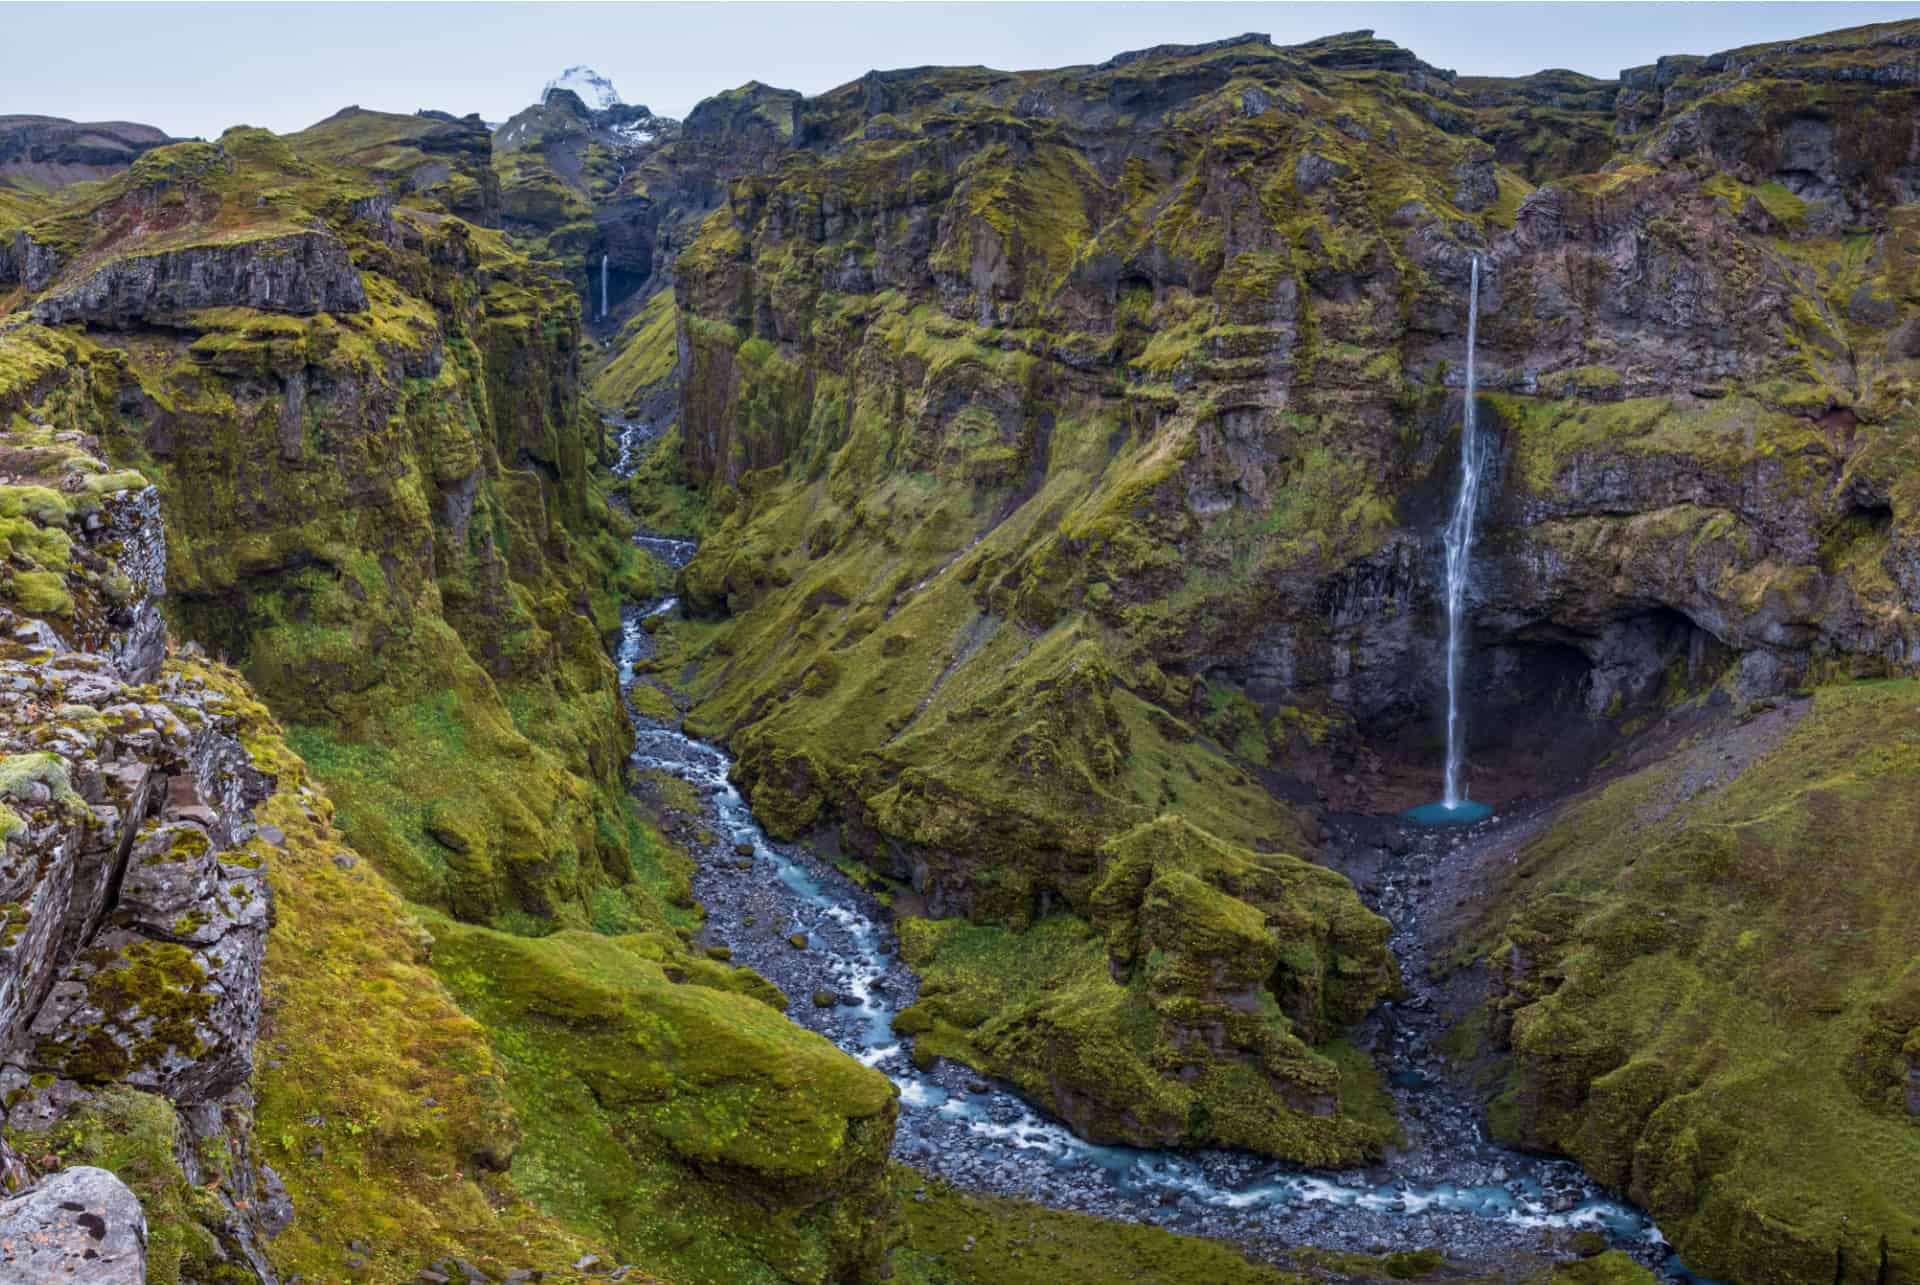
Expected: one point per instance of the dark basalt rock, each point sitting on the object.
(300, 272)
(49, 149)
(25, 261)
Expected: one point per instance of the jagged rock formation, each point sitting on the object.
(570, 174)
(135, 894)
(303, 273)
(1223, 970)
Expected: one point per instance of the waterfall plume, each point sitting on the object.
(1458, 538)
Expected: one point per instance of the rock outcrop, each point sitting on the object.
(133, 887)
(432, 157)
(301, 273)
(47, 151)
(80, 1227)
(1194, 1012)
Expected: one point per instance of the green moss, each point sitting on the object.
(953, 1238)
(377, 1101)
(665, 1109)
(1265, 952)
(1720, 435)
(1610, 1268)
(115, 482)
(134, 1135)
(154, 1000)
(40, 593)
(644, 353)
(20, 773)
(1782, 205)
(1700, 981)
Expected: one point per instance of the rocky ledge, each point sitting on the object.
(134, 910)
(300, 272)
(48, 149)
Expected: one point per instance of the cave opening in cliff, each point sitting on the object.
(1552, 702)
(1549, 701)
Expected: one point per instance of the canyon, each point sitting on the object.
(827, 691)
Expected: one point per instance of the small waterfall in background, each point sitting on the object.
(603, 298)
(1458, 538)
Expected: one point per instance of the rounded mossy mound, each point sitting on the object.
(1200, 1008)
(650, 1084)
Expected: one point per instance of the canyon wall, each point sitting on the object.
(1069, 449)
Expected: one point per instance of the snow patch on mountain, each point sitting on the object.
(638, 133)
(595, 90)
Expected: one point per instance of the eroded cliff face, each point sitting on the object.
(371, 490)
(136, 894)
(1072, 447)
(376, 471)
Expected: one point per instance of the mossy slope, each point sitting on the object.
(1188, 1014)
(670, 1107)
(1707, 992)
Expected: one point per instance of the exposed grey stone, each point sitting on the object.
(1313, 171)
(79, 1227)
(299, 272)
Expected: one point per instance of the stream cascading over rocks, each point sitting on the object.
(603, 287)
(1448, 1184)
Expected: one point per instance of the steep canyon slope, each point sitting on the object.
(372, 492)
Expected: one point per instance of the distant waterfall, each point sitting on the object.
(603, 297)
(1459, 542)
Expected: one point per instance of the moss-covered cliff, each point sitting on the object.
(1070, 445)
(377, 479)
(1066, 449)
(1705, 981)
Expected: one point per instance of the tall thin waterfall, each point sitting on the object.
(603, 295)
(1459, 542)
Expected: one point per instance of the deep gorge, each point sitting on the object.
(824, 692)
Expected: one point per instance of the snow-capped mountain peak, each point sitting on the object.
(595, 90)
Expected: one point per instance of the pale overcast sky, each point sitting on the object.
(194, 69)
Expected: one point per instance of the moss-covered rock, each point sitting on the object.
(672, 1111)
(1199, 1009)
(384, 515)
